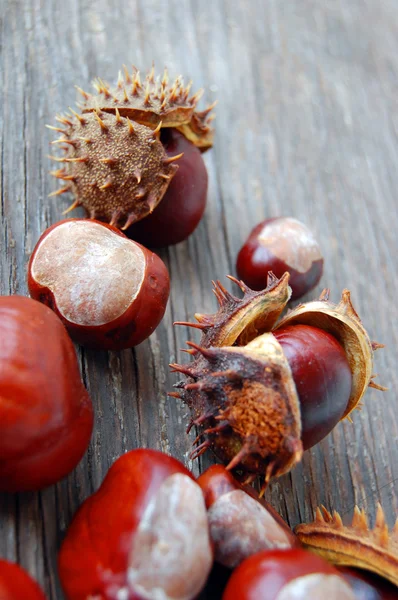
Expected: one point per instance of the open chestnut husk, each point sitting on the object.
(355, 545)
(110, 292)
(143, 534)
(243, 391)
(118, 166)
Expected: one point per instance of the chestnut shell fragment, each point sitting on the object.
(355, 545)
(153, 101)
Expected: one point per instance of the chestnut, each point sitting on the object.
(122, 153)
(279, 245)
(240, 524)
(287, 575)
(322, 375)
(184, 202)
(46, 416)
(16, 584)
(262, 388)
(143, 534)
(110, 292)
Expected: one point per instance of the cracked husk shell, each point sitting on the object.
(117, 170)
(355, 545)
(343, 322)
(244, 396)
(240, 320)
(253, 415)
(243, 392)
(152, 101)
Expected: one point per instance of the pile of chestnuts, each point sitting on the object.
(262, 387)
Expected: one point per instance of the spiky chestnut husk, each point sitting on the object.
(354, 545)
(256, 413)
(154, 101)
(236, 391)
(117, 170)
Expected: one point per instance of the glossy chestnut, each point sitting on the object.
(110, 292)
(184, 202)
(322, 375)
(240, 524)
(16, 584)
(46, 415)
(286, 575)
(143, 534)
(279, 245)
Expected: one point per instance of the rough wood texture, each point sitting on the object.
(306, 126)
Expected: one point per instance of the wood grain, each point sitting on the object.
(307, 126)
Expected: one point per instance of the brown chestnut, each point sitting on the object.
(240, 523)
(46, 417)
(279, 245)
(142, 535)
(322, 375)
(293, 574)
(109, 291)
(184, 202)
(16, 584)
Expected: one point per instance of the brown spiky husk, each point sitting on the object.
(220, 396)
(229, 399)
(251, 406)
(154, 100)
(354, 545)
(117, 170)
(240, 320)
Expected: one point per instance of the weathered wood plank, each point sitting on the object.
(306, 126)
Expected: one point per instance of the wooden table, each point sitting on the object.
(306, 126)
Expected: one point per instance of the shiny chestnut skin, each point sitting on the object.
(240, 523)
(16, 584)
(46, 415)
(147, 501)
(368, 586)
(322, 376)
(279, 245)
(284, 575)
(184, 202)
(110, 292)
